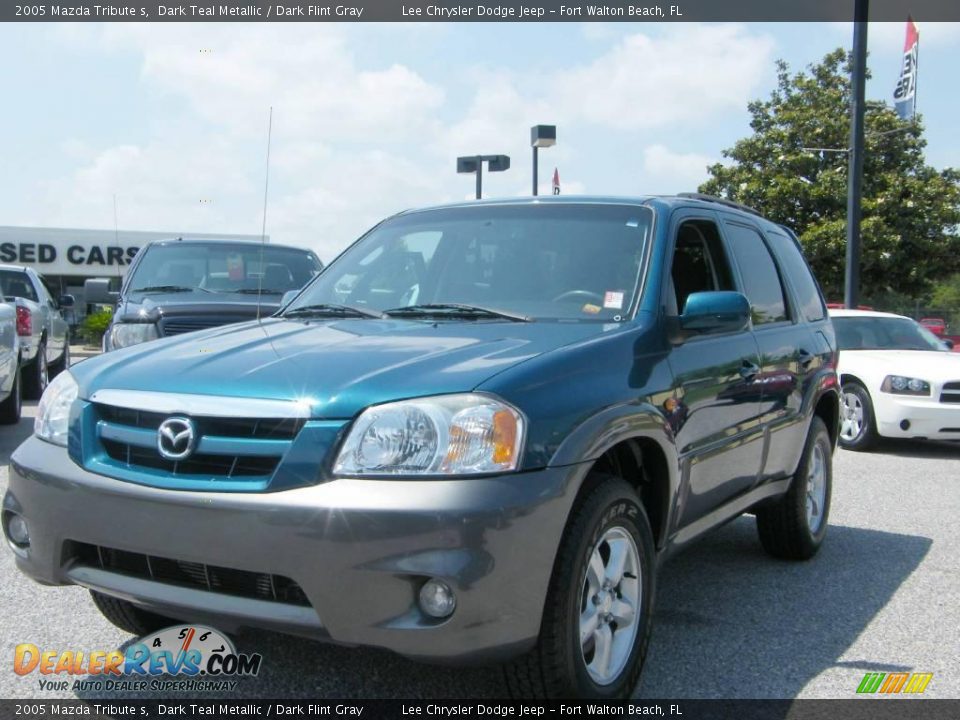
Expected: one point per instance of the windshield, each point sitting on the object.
(883, 333)
(223, 267)
(535, 261)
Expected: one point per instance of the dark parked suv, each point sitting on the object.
(473, 437)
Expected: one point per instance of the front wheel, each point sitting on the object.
(858, 429)
(794, 526)
(599, 608)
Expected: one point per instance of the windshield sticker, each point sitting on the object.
(235, 266)
(591, 308)
(613, 300)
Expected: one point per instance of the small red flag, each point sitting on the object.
(556, 181)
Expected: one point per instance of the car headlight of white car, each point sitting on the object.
(53, 412)
(465, 434)
(126, 334)
(902, 385)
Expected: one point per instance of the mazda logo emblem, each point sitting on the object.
(176, 438)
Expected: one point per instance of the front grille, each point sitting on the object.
(227, 448)
(227, 466)
(266, 428)
(950, 392)
(181, 325)
(227, 581)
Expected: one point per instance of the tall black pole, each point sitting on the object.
(479, 177)
(535, 169)
(851, 295)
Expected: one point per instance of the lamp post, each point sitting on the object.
(474, 164)
(541, 136)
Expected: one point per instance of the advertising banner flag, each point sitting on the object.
(556, 181)
(905, 95)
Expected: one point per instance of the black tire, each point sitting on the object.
(127, 616)
(855, 395)
(37, 375)
(11, 407)
(556, 667)
(62, 363)
(785, 525)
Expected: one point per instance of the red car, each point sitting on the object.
(935, 325)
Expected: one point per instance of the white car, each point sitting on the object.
(898, 380)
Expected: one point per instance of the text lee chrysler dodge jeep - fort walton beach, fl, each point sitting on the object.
(473, 437)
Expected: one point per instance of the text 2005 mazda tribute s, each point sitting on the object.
(473, 437)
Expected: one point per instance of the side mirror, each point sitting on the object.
(67, 301)
(96, 291)
(948, 343)
(288, 297)
(715, 312)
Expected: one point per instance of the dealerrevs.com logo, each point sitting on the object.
(181, 657)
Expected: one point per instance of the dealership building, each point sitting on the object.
(67, 257)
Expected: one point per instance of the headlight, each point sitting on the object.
(126, 334)
(53, 412)
(900, 385)
(446, 435)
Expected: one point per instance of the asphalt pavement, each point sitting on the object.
(883, 595)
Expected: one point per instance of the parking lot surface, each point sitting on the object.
(883, 595)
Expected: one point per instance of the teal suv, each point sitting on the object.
(473, 437)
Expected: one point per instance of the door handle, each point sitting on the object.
(805, 358)
(748, 371)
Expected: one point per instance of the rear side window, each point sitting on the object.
(808, 294)
(15, 283)
(761, 281)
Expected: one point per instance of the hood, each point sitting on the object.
(337, 366)
(139, 307)
(924, 364)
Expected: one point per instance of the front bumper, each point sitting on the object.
(927, 417)
(359, 549)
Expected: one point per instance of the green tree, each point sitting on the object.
(946, 294)
(910, 210)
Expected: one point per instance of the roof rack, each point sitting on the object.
(719, 201)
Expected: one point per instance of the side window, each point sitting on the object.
(761, 281)
(804, 284)
(699, 263)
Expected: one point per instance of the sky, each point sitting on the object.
(171, 119)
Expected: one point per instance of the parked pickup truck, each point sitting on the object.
(44, 333)
(181, 285)
(9, 366)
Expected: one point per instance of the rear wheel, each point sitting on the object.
(794, 526)
(858, 429)
(38, 374)
(598, 613)
(11, 407)
(127, 616)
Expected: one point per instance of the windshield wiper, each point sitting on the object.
(332, 309)
(460, 310)
(253, 291)
(170, 289)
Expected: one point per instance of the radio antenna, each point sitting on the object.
(116, 232)
(263, 228)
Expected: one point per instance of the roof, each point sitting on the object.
(222, 241)
(667, 202)
(863, 313)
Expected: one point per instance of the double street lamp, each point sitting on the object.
(474, 164)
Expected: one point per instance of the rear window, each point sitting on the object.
(17, 284)
(804, 284)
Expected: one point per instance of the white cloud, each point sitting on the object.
(684, 76)
(666, 171)
(884, 36)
